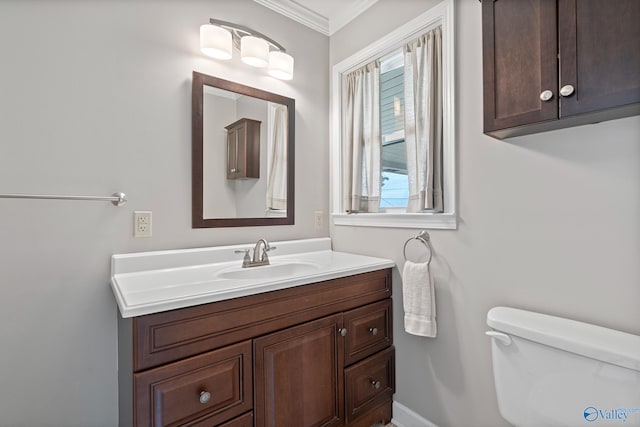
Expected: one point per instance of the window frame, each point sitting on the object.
(441, 14)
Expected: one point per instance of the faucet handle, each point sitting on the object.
(270, 248)
(246, 260)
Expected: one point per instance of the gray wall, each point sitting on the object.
(95, 97)
(547, 222)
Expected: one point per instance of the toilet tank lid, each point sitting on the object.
(608, 345)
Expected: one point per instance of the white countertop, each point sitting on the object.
(151, 282)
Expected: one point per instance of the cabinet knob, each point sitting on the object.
(205, 396)
(566, 90)
(343, 331)
(373, 331)
(375, 384)
(546, 95)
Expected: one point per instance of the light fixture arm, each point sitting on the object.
(235, 29)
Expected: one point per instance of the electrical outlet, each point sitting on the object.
(317, 216)
(142, 223)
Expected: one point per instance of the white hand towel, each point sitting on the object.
(419, 299)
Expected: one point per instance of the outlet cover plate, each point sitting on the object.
(142, 223)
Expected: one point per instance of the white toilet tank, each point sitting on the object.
(551, 371)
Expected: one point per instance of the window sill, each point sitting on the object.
(442, 221)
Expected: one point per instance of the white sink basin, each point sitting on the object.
(268, 272)
(151, 282)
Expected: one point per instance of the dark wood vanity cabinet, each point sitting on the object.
(313, 355)
(243, 149)
(550, 64)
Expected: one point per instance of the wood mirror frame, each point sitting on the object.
(197, 173)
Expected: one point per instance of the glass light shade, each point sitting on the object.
(215, 41)
(254, 51)
(280, 65)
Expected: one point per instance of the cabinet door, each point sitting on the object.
(298, 376)
(232, 153)
(241, 150)
(251, 147)
(599, 54)
(519, 62)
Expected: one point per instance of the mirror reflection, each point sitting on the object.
(243, 143)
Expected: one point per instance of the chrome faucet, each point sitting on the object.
(260, 256)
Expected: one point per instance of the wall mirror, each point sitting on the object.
(243, 155)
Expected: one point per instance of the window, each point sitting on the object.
(393, 206)
(395, 185)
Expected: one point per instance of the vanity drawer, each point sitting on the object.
(203, 390)
(369, 383)
(245, 420)
(369, 330)
(378, 416)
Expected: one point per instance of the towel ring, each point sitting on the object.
(424, 238)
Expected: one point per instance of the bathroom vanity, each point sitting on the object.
(309, 344)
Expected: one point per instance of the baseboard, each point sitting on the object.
(405, 417)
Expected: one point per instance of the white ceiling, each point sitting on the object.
(324, 16)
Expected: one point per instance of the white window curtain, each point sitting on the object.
(362, 143)
(423, 121)
(277, 167)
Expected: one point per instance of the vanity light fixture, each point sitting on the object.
(218, 38)
(254, 51)
(215, 42)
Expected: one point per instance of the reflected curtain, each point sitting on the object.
(362, 143)
(277, 167)
(423, 121)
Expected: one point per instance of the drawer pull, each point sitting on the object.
(375, 384)
(205, 396)
(373, 331)
(342, 331)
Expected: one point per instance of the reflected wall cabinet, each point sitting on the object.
(243, 149)
(551, 64)
(314, 355)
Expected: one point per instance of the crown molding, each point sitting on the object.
(348, 14)
(315, 21)
(298, 13)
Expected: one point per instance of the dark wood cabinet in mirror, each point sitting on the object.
(243, 155)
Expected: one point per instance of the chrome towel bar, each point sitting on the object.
(118, 199)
